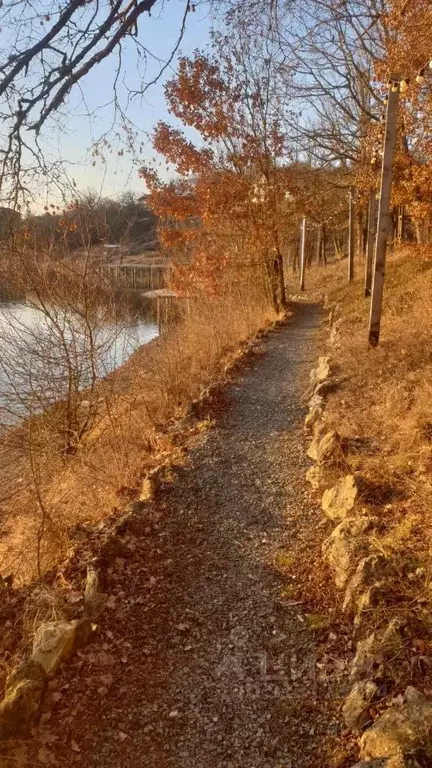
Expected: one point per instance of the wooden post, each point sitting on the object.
(302, 254)
(370, 241)
(351, 236)
(383, 214)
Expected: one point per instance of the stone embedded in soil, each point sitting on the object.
(373, 651)
(325, 388)
(325, 450)
(316, 401)
(356, 706)
(133, 520)
(368, 600)
(344, 545)
(94, 599)
(320, 429)
(321, 372)
(53, 642)
(313, 416)
(400, 731)
(313, 476)
(368, 575)
(147, 491)
(24, 691)
(334, 338)
(339, 500)
(364, 658)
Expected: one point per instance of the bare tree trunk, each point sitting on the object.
(319, 244)
(337, 246)
(383, 215)
(295, 259)
(364, 233)
(418, 231)
(302, 255)
(323, 254)
(427, 231)
(351, 237)
(370, 242)
(273, 280)
(281, 276)
(361, 228)
(289, 255)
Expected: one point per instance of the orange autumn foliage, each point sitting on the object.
(229, 195)
(407, 56)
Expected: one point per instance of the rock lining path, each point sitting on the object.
(201, 661)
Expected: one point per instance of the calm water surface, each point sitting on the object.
(33, 362)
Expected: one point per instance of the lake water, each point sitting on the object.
(41, 351)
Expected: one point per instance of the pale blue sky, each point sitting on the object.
(78, 131)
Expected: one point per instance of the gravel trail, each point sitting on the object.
(202, 661)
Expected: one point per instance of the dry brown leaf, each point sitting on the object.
(111, 602)
(44, 756)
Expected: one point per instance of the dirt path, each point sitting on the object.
(202, 661)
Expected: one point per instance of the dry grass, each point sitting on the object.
(384, 400)
(51, 493)
(384, 395)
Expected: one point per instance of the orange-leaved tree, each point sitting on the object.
(408, 51)
(229, 198)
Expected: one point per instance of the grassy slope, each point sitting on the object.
(384, 397)
(130, 434)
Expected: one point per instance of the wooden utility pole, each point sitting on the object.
(383, 212)
(370, 241)
(351, 236)
(302, 254)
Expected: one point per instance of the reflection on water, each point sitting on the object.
(41, 351)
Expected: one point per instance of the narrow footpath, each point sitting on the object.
(201, 659)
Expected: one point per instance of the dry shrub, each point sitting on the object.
(50, 489)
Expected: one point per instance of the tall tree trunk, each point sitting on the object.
(295, 258)
(360, 232)
(337, 247)
(418, 231)
(281, 278)
(302, 255)
(364, 233)
(370, 241)
(427, 230)
(323, 255)
(351, 236)
(319, 244)
(273, 285)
